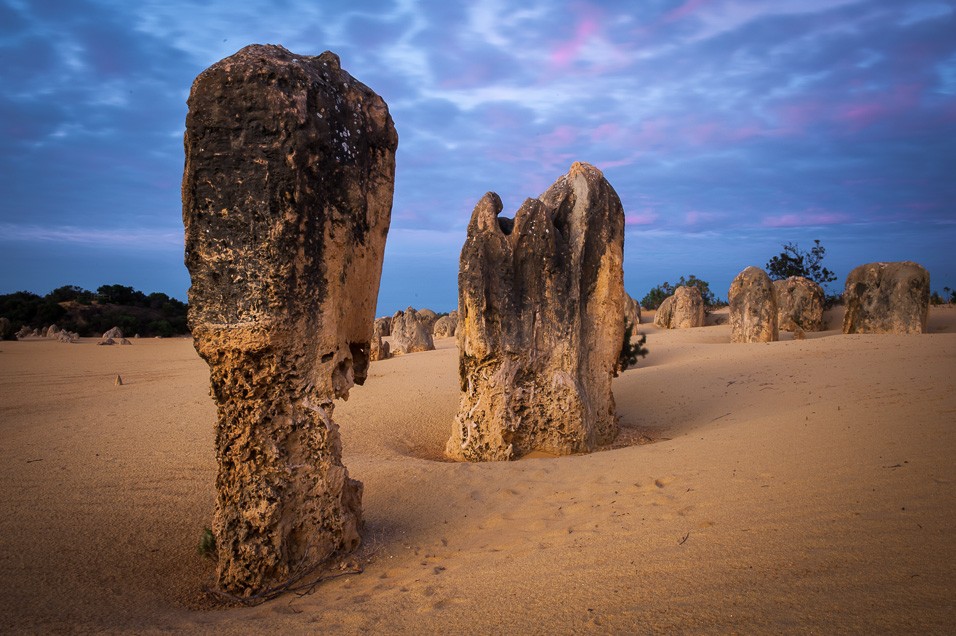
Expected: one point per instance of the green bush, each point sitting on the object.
(795, 262)
(656, 295)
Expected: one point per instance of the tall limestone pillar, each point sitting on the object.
(287, 195)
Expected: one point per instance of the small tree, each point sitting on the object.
(656, 295)
(630, 352)
(795, 262)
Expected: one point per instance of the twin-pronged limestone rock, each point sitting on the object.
(540, 306)
(753, 307)
(287, 196)
(886, 298)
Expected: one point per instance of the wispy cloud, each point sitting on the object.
(106, 238)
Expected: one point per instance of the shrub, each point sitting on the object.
(793, 261)
(656, 295)
(630, 352)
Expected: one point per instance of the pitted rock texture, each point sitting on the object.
(682, 310)
(632, 310)
(753, 307)
(445, 326)
(540, 301)
(799, 304)
(409, 334)
(287, 195)
(886, 298)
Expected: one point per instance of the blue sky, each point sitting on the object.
(727, 127)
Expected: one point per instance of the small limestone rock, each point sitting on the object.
(383, 326)
(428, 318)
(115, 333)
(683, 310)
(118, 381)
(799, 304)
(409, 334)
(25, 332)
(445, 326)
(753, 307)
(886, 298)
(287, 195)
(68, 337)
(107, 342)
(51, 332)
(378, 349)
(540, 303)
(124, 341)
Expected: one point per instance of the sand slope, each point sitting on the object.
(795, 486)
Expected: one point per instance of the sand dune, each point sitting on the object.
(795, 486)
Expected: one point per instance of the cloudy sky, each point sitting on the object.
(727, 127)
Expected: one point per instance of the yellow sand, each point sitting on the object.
(798, 486)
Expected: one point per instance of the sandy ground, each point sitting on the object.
(793, 487)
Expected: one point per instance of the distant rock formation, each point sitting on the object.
(287, 195)
(753, 307)
(24, 332)
(682, 310)
(632, 310)
(886, 298)
(71, 337)
(378, 348)
(799, 304)
(445, 326)
(409, 334)
(383, 326)
(540, 303)
(428, 318)
(114, 333)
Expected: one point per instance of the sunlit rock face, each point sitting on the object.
(683, 309)
(287, 195)
(753, 307)
(799, 304)
(410, 333)
(540, 307)
(886, 298)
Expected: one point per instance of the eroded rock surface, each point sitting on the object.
(753, 307)
(287, 196)
(682, 310)
(632, 310)
(539, 307)
(799, 304)
(886, 298)
(409, 334)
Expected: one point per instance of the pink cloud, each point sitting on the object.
(644, 217)
(804, 219)
(688, 8)
(568, 52)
